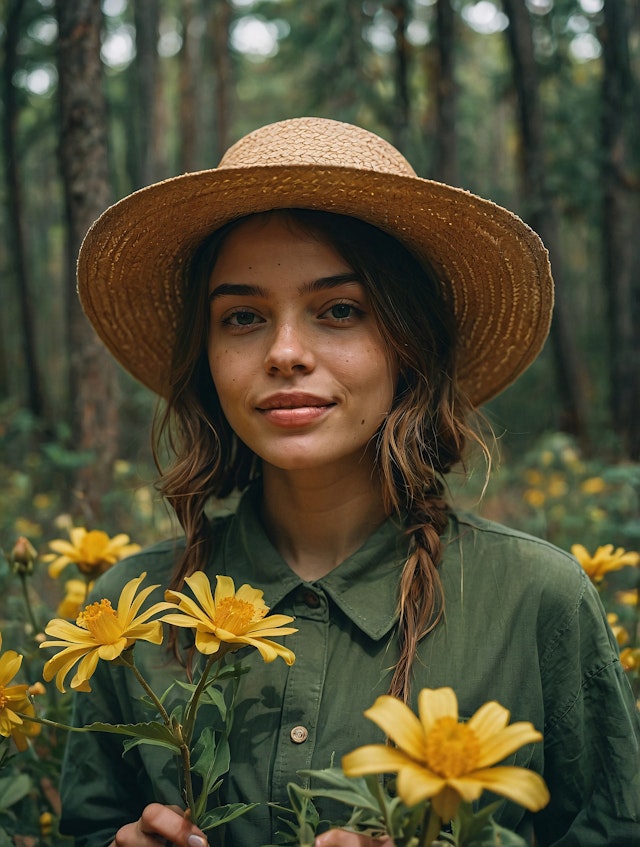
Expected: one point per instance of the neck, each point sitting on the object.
(316, 521)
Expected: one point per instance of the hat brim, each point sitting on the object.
(493, 268)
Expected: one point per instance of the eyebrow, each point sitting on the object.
(240, 290)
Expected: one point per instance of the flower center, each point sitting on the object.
(102, 622)
(3, 697)
(452, 748)
(237, 615)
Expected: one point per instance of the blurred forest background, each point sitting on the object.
(532, 103)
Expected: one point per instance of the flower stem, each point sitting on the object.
(431, 826)
(143, 682)
(182, 737)
(185, 755)
(192, 706)
(27, 602)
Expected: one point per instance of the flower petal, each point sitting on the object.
(398, 723)
(190, 607)
(66, 630)
(374, 758)
(60, 665)
(9, 666)
(272, 622)
(436, 703)
(251, 595)
(506, 742)
(86, 668)
(269, 650)
(127, 595)
(151, 632)
(225, 587)
(199, 583)
(416, 784)
(445, 804)
(523, 786)
(489, 719)
(207, 643)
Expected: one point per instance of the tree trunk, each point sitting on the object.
(83, 150)
(147, 17)
(620, 226)
(16, 238)
(446, 159)
(188, 111)
(402, 104)
(220, 25)
(541, 214)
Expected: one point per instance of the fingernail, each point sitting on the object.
(196, 841)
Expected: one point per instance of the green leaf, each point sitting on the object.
(478, 829)
(211, 759)
(13, 789)
(351, 791)
(224, 814)
(151, 733)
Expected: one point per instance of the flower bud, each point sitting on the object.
(46, 824)
(22, 557)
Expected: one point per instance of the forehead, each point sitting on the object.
(276, 244)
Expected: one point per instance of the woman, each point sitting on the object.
(322, 324)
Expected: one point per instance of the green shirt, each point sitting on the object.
(522, 625)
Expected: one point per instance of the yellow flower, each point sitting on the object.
(93, 552)
(620, 633)
(448, 762)
(630, 658)
(534, 497)
(593, 485)
(557, 486)
(628, 597)
(14, 699)
(101, 632)
(603, 560)
(229, 618)
(533, 477)
(75, 597)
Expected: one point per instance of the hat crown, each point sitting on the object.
(318, 142)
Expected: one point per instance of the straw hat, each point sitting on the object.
(493, 268)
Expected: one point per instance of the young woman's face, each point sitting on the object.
(301, 370)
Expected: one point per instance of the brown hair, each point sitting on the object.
(422, 438)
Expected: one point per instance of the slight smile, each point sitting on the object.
(291, 409)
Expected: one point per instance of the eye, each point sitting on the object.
(342, 312)
(243, 317)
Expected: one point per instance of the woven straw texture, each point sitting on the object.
(493, 267)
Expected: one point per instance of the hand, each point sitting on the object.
(344, 838)
(160, 824)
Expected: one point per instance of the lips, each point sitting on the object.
(293, 400)
(294, 410)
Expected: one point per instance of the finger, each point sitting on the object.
(344, 838)
(172, 825)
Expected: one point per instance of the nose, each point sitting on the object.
(289, 350)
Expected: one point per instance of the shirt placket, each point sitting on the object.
(303, 691)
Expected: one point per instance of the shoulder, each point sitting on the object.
(516, 570)
(511, 549)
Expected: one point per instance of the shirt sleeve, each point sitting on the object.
(592, 735)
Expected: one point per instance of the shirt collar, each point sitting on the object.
(364, 586)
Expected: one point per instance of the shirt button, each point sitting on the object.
(311, 599)
(299, 734)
